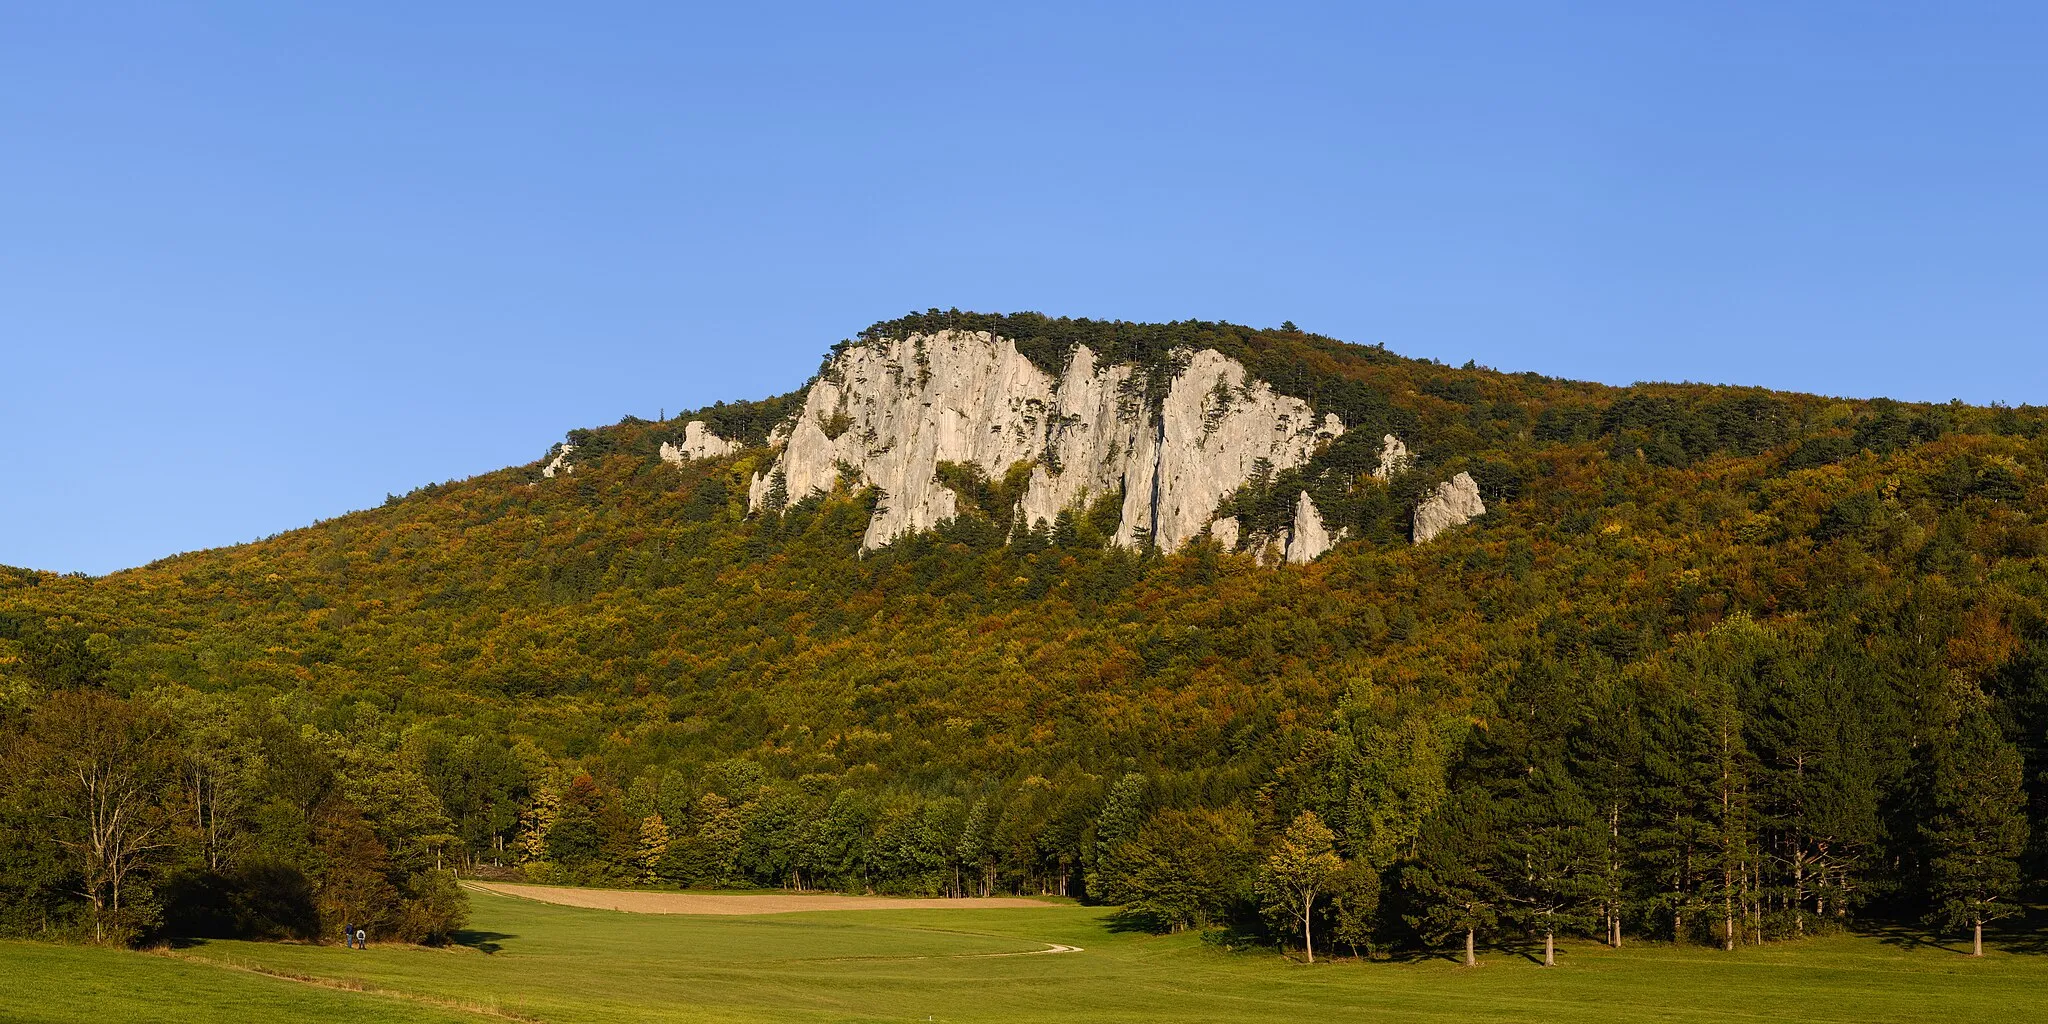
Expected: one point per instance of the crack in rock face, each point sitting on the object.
(1455, 502)
(890, 411)
(698, 443)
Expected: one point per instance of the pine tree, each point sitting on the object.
(1607, 752)
(1550, 851)
(1979, 827)
(1674, 827)
(1452, 879)
(1123, 814)
(974, 849)
(1817, 786)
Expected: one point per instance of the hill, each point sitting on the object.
(1715, 663)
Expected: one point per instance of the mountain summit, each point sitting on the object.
(926, 413)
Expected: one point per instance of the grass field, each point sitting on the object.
(529, 960)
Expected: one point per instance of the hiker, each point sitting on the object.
(362, 939)
(348, 934)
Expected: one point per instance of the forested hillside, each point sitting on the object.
(1718, 665)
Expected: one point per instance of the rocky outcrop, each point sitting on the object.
(1394, 458)
(1224, 531)
(1308, 538)
(892, 410)
(1455, 502)
(560, 463)
(698, 443)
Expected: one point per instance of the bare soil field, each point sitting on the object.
(722, 904)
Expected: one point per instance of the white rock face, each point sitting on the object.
(1224, 531)
(1455, 503)
(894, 409)
(698, 443)
(560, 463)
(758, 490)
(1394, 458)
(1308, 538)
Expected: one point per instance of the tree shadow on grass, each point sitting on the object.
(481, 941)
(1126, 921)
(1906, 936)
(1405, 955)
(2021, 934)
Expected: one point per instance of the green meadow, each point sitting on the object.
(530, 961)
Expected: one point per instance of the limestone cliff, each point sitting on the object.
(698, 443)
(560, 463)
(891, 410)
(1455, 502)
(1308, 538)
(1394, 458)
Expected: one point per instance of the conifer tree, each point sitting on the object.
(1607, 757)
(1452, 879)
(1549, 852)
(1123, 814)
(974, 848)
(1979, 827)
(1674, 832)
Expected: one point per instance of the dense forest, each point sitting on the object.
(1719, 666)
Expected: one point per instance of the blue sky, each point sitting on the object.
(264, 263)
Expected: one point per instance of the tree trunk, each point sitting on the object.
(1727, 876)
(1799, 890)
(1977, 936)
(1549, 948)
(1613, 872)
(1470, 959)
(1308, 941)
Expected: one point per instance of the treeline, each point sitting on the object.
(1750, 784)
(1755, 785)
(176, 812)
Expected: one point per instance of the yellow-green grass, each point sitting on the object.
(561, 964)
(85, 985)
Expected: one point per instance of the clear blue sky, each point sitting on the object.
(263, 263)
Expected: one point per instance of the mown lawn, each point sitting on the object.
(558, 964)
(81, 985)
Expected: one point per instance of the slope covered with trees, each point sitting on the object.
(1719, 665)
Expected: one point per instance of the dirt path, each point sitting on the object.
(738, 903)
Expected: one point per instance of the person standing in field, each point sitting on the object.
(348, 935)
(362, 939)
